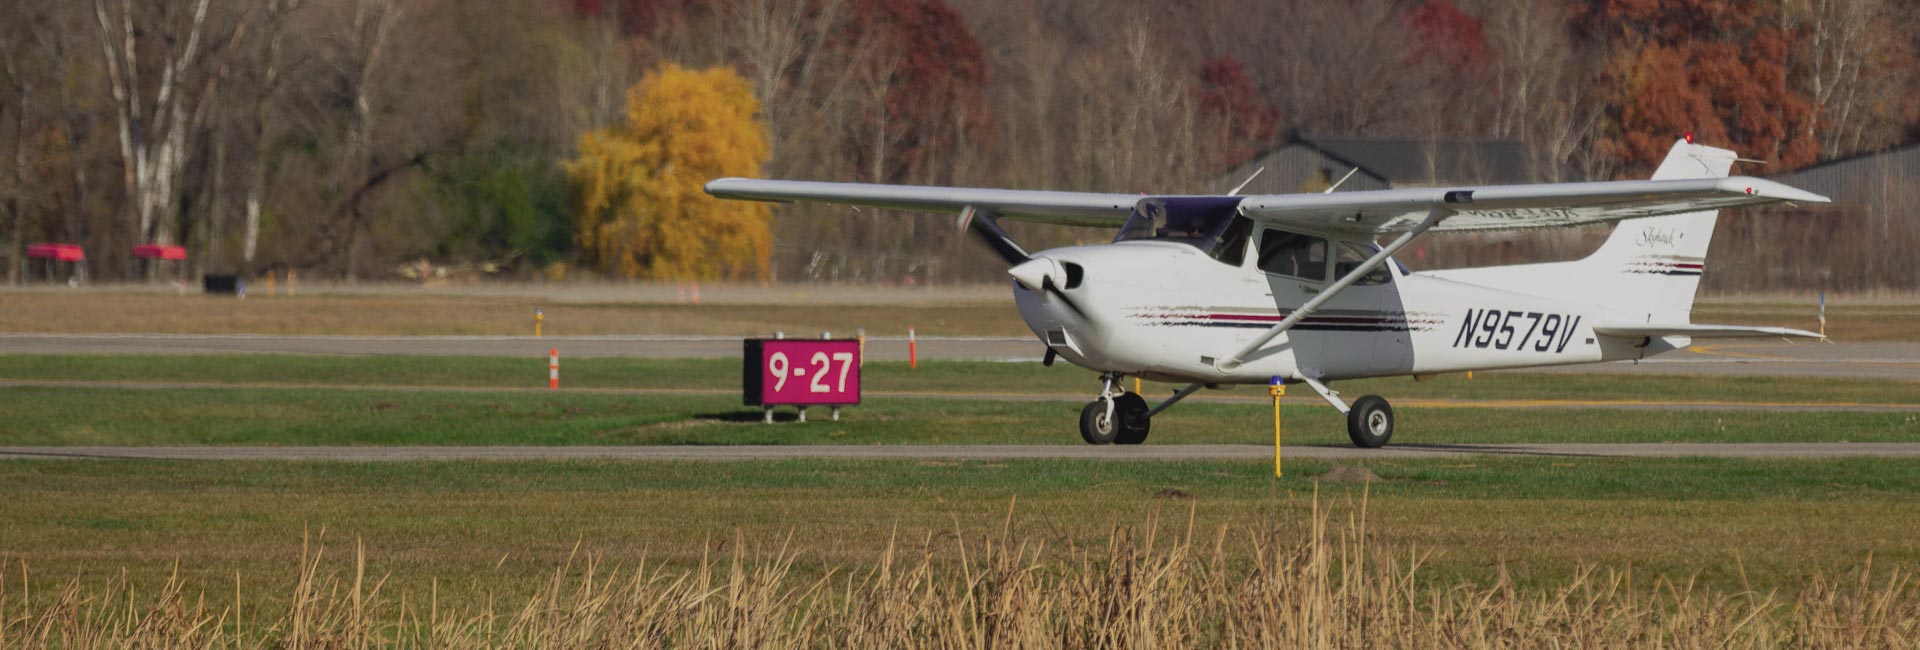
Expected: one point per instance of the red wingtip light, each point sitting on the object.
(1689, 137)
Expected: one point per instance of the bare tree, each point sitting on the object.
(1852, 63)
(364, 42)
(1545, 83)
(270, 70)
(12, 188)
(153, 130)
(780, 45)
(72, 113)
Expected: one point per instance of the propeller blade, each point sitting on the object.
(1067, 301)
(984, 228)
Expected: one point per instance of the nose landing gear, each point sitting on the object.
(1116, 417)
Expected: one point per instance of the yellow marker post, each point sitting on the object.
(1136, 384)
(538, 316)
(1277, 390)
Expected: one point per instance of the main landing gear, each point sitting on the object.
(1370, 422)
(1116, 417)
(1369, 419)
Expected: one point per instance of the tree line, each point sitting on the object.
(355, 138)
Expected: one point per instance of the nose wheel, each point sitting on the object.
(1115, 418)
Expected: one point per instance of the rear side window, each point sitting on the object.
(1293, 255)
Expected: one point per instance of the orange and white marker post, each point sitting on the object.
(553, 369)
(913, 350)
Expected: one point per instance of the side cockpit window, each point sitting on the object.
(1293, 255)
(1232, 249)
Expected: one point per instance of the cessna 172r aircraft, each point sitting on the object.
(1218, 290)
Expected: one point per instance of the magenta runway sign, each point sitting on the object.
(801, 372)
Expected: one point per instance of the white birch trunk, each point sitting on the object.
(153, 143)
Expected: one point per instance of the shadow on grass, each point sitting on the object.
(747, 417)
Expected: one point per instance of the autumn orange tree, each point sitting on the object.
(638, 203)
(1713, 67)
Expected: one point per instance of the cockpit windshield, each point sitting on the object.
(1195, 220)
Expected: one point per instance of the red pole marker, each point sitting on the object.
(913, 350)
(553, 369)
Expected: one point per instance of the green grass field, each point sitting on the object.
(881, 377)
(295, 400)
(279, 416)
(484, 535)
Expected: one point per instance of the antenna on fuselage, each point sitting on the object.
(1243, 184)
(1343, 179)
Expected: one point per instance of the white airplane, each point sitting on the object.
(1218, 290)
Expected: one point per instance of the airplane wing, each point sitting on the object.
(1699, 331)
(1496, 207)
(1069, 208)
(1517, 207)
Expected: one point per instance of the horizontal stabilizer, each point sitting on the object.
(1637, 330)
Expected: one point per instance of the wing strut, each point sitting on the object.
(1435, 215)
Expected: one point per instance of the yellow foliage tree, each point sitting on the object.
(638, 202)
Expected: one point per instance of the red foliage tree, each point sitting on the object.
(1715, 68)
(1448, 36)
(1231, 105)
(635, 16)
(935, 76)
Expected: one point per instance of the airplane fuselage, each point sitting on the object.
(1167, 311)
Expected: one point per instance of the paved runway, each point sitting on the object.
(1114, 453)
(1896, 360)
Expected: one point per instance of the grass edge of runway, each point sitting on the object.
(113, 416)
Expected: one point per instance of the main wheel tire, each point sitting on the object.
(1131, 410)
(1370, 422)
(1095, 427)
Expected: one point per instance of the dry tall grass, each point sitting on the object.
(1336, 588)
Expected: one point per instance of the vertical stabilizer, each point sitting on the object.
(1657, 261)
